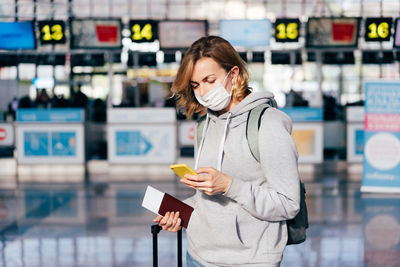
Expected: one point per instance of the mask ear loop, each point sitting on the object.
(233, 82)
(229, 72)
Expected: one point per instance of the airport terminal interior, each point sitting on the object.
(87, 122)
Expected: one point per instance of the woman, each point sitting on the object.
(240, 205)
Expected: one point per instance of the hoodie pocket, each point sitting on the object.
(214, 231)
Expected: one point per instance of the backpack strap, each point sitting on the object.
(199, 130)
(253, 124)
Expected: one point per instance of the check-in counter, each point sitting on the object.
(186, 132)
(307, 132)
(355, 134)
(48, 136)
(141, 135)
(7, 160)
(6, 135)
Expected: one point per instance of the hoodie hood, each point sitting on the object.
(233, 118)
(239, 113)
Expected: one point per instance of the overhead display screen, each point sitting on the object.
(246, 33)
(396, 42)
(17, 35)
(287, 30)
(378, 29)
(143, 30)
(180, 34)
(52, 32)
(332, 32)
(96, 33)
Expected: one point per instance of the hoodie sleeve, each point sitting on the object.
(278, 198)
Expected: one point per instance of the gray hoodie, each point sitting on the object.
(245, 226)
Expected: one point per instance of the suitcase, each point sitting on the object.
(155, 229)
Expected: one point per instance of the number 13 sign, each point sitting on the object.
(52, 32)
(143, 30)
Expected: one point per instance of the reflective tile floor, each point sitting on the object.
(103, 224)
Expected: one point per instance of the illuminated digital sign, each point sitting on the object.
(180, 34)
(396, 42)
(246, 33)
(143, 30)
(96, 33)
(332, 32)
(378, 29)
(17, 35)
(287, 30)
(52, 32)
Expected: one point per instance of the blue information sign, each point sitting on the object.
(71, 115)
(131, 143)
(246, 33)
(304, 114)
(359, 142)
(36, 143)
(381, 171)
(63, 143)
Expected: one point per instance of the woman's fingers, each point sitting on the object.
(165, 220)
(170, 222)
(177, 225)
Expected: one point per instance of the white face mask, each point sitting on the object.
(217, 98)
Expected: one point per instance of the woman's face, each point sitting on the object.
(207, 73)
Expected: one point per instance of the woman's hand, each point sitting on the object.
(170, 222)
(209, 180)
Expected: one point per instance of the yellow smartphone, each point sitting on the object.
(182, 169)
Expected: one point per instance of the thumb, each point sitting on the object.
(158, 219)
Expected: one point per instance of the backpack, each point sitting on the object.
(298, 225)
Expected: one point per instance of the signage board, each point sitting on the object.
(381, 172)
(64, 115)
(55, 143)
(309, 141)
(246, 33)
(287, 30)
(180, 34)
(143, 30)
(396, 41)
(141, 115)
(96, 33)
(378, 29)
(17, 35)
(52, 32)
(6, 134)
(304, 114)
(332, 32)
(142, 144)
(187, 131)
(355, 142)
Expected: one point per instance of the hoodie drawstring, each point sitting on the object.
(221, 146)
(203, 135)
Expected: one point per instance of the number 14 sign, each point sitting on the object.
(143, 30)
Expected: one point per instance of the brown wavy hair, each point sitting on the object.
(225, 55)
